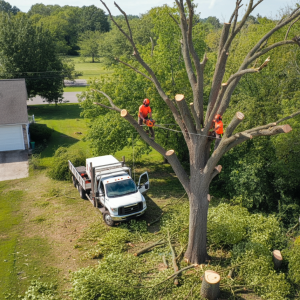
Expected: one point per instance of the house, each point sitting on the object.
(14, 122)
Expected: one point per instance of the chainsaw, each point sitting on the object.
(149, 122)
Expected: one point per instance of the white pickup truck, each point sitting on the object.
(107, 183)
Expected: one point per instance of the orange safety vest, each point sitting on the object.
(144, 111)
(220, 125)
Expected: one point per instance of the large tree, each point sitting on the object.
(29, 52)
(195, 123)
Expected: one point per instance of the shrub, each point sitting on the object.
(293, 257)
(39, 132)
(227, 224)
(40, 291)
(113, 278)
(59, 169)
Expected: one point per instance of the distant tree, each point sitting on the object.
(93, 19)
(29, 52)
(89, 44)
(6, 7)
(42, 9)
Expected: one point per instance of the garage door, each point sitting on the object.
(11, 138)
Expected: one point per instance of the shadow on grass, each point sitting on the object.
(56, 112)
(152, 213)
(56, 140)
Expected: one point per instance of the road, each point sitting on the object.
(69, 97)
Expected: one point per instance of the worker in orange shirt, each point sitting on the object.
(218, 130)
(144, 111)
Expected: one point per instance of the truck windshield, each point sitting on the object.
(120, 188)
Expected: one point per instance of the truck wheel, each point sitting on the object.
(82, 193)
(74, 181)
(107, 219)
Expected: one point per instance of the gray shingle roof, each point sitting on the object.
(13, 101)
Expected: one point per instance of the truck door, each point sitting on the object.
(144, 185)
(102, 193)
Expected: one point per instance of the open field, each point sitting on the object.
(89, 69)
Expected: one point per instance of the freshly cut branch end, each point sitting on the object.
(208, 197)
(264, 64)
(240, 115)
(225, 84)
(287, 128)
(170, 152)
(179, 97)
(219, 168)
(124, 113)
(210, 288)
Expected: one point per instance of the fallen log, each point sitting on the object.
(173, 259)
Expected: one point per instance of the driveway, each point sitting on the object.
(13, 164)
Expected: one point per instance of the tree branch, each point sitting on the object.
(237, 119)
(185, 45)
(197, 120)
(113, 106)
(287, 33)
(124, 14)
(185, 113)
(133, 68)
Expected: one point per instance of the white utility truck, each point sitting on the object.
(107, 183)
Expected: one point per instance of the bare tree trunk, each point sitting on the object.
(196, 252)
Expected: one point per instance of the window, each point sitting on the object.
(120, 188)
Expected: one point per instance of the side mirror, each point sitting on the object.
(97, 194)
(146, 186)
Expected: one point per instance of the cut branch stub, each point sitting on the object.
(124, 113)
(240, 115)
(219, 168)
(208, 197)
(170, 152)
(210, 288)
(277, 259)
(179, 97)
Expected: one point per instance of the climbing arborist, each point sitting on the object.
(144, 111)
(218, 129)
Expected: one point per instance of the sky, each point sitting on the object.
(222, 9)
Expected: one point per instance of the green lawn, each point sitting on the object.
(74, 89)
(89, 69)
(69, 128)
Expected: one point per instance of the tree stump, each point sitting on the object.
(210, 288)
(277, 259)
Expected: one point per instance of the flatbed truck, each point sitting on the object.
(107, 184)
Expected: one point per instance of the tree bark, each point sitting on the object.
(210, 288)
(196, 252)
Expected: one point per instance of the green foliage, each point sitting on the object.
(35, 161)
(114, 278)
(29, 51)
(7, 8)
(59, 169)
(89, 44)
(39, 132)
(230, 225)
(40, 291)
(293, 257)
(227, 224)
(257, 270)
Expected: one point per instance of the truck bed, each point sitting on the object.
(80, 174)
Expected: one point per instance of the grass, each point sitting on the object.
(89, 69)
(74, 89)
(68, 127)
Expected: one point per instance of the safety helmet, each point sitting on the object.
(218, 117)
(146, 101)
